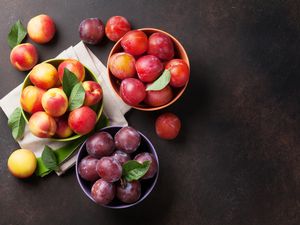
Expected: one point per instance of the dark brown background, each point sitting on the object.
(237, 158)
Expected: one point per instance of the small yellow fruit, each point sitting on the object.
(22, 163)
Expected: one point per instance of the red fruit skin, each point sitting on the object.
(135, 42)
(122, 65)
(116, 27)
(167, 126)
(24, 56)
(82, 120)
(103, 192)
(161, 46)
(180, 72)
(148, 68)
(159, 98)
(93, 92)
(132, 91)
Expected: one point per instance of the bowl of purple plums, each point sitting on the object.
(117, 167)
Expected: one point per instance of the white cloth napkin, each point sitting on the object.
(114, 107)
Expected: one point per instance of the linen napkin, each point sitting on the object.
(114, 108)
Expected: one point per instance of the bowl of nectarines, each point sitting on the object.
(61, 99)
(148, 68)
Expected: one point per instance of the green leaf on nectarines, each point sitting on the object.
(69, 81)
(49, 158)
(77, 97)
(16, 34)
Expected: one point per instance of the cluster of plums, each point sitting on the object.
(144, 59)
(103, 165)
(48, 105)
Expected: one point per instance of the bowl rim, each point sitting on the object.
(124, 205)
(186, 59)
(99, 113)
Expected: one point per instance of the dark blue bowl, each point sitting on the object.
(146, 185)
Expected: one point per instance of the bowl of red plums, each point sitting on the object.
(117, 167)
(148, 68)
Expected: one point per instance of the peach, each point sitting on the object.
(55, 102)
(42, 125)
(31, 99)
(41, 28)
(63, 130)
(44, 76)
(24, 56)
(122, 65)
(74, 66)
(82, 120)
(93, 92)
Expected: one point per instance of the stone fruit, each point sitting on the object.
(103, 192)
(121, 156)
(22, 163)
(100, 144)
(132, 91)
(91, 30)
(44, 76)
(122, 65)
(87, 168)
(93, 92)
(42, 125)
(145, 156)
(63, 130)
(130, 193)
(24, 56)
(74, 66)
(127, 139)
(41, 29)
(148, 68)
(159, 98)
(116, 27)
(109, 169)
(161, 46)
(82, 120)
(31, 99)
(167, 126)
(180, 72)
(55, 102)
(135, 42)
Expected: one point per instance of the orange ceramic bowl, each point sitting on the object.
(179, 54)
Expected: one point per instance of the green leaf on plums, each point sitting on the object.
(16, 34)
(69, 81)
(77, 97)
(49, 158)
(16, 122)
(133, 170)
(161, 82)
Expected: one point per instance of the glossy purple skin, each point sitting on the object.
(130, 193)
(127, 139)
(100, 144)
(91, 30)
(146, 156)
(109, 169)
(147, 188)
(121, 156)
(103, 192)
(87, 168)
(161, 46)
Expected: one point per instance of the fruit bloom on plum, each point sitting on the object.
(103, 192)
(100, 144)
(87, 168)
(91, 30)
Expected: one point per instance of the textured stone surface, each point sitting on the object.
(237, 160)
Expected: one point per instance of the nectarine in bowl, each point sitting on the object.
(139, 59)
(46, 106)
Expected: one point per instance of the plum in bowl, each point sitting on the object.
(139, 59)
(102, 160)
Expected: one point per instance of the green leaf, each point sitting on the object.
(16, 34)
(161, 82)
(77, 97)
(16, 122)
(69, 81)
(49, 158)
(133, 170)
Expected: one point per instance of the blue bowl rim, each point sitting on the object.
(153, 151)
